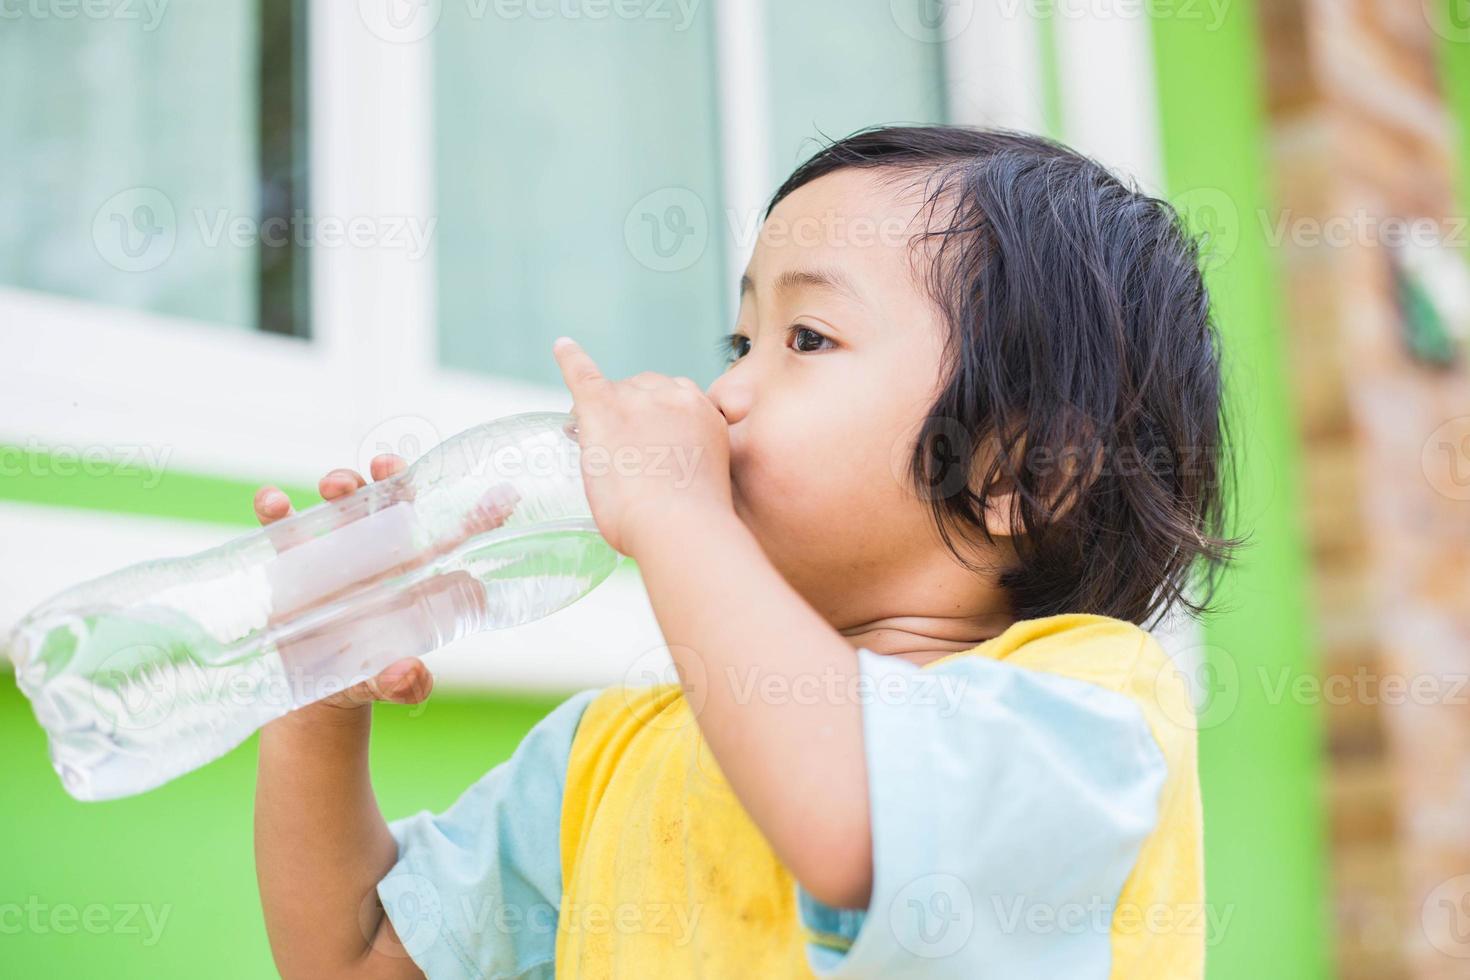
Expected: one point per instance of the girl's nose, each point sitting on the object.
(731, 396)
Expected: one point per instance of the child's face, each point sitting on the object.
(836, 364)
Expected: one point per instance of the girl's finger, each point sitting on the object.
(405, 681)
(408, 685)
(340, 483)
(385, 465)
(578, 370)
(271, 507)
(271, 504)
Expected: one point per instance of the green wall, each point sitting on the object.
(185, 851)
(38, 477)
(1049, 59)
(1260, 762)
(1454, 62)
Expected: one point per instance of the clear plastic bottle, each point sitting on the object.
(156, 669)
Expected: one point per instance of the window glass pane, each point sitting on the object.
(577, 175)
(837, 66)
(135, 137)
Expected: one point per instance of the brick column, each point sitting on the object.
(1360, 134)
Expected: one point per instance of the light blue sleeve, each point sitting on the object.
(1008, 807)
(475, 890)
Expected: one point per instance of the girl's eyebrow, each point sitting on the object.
(828, 279)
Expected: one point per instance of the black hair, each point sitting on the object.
(1082, 369)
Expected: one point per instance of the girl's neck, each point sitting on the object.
(920, 639)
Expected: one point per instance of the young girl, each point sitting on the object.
(967, 442)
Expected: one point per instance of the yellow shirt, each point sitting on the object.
(1035, 814)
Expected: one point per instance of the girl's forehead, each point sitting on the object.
(854, 225)
(855, 195)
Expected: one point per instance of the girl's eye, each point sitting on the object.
(806, 334)
(733, 346)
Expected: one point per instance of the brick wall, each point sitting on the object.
(1360, 133)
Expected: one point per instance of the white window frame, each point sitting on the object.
(227, 402)
(241, 403)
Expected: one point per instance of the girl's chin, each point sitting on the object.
(743, 511)
(737, 503)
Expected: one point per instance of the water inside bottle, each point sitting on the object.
(133, 696)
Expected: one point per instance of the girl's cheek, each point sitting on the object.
(782, 485)
(808, 474)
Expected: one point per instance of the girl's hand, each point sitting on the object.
(405, 681)
(650, 445)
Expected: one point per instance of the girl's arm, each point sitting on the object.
(321, 843)
(322, 846)
(772, 686)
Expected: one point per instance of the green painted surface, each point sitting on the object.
(1260, 753)
(1454, 61)
(80, 880)
(1049, 61)
(143, 488)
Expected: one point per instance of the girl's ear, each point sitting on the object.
(1003, 499)
(999, 507)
